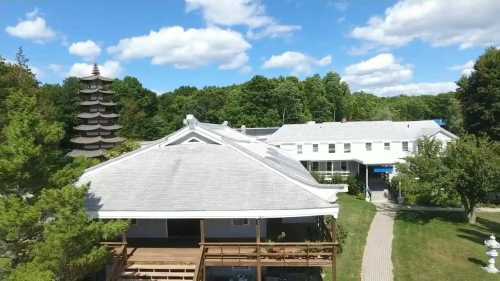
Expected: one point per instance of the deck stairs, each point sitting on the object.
(157, 271)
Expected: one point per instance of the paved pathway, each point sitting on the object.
(377, 262)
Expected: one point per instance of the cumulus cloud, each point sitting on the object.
(381, 70)
(34, 27)
(412, 89)
(298, 62)
(249, 13)
(88, 50)
(463, 23)
(465, 69)
(110, 69)
(186, 48)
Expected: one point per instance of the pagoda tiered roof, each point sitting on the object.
(88, 115)
(97, 90)
(96, 77)
(90, 140)
(96, 102)
(84, 127)
(87, 153)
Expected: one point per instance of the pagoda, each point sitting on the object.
(97, 129)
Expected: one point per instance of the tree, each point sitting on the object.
(122, 148)
(473, 170)
(423, 176)
(338, 94)
(28, 154)
(480, 96)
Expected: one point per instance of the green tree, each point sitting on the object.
(473, 170)
(480, 96)
(423, 176)
(123, 148)
(28, 154)
(339, 96)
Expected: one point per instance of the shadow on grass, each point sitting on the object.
(424, 217)
(476, 236)
(477, 261)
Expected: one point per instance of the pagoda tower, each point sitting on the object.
(97, 129)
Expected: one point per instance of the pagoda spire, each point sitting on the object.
(95, 71)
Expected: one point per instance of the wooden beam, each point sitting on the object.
(257, 237)
(334, 250)
(202, 231)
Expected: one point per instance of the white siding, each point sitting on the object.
(148, 228)
(223, 228)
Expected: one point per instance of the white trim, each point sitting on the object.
(243, 214)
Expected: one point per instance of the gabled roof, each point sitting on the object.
(357, 131)
(206, 171)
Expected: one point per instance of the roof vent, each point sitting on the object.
(311, 122)
(243, 129)
(190, 121)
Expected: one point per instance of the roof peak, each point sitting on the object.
(95, 70)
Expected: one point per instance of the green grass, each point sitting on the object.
(441, 246)
(355, 218)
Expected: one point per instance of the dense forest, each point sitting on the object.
(45, 233)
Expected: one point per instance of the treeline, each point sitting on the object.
(260, 102)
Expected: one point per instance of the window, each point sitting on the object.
(405, 146)
(278, 146)
(343, 165)
(368, 146)
(329, 166)
(240, 222)
(133, 222)
(299, 148)
(315, 147)
(331, 148)
(315, 166)
(347, 147)
(387, 146)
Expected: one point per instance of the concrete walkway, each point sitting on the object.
(377, 261)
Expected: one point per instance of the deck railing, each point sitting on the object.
(269, 254)
(120, 255)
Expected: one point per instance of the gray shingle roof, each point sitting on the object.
(95, 102)
(89, 140)
(96, 127)
(240, 173)
(357, 130)
(86, 153)
(86, 115)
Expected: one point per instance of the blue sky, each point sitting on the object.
(386, 47)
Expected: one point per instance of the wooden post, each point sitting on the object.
(202, 231)
(334, 250)
(257, 237)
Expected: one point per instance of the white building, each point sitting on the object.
(368, 149)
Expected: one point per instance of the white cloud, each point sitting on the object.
(36, 71)
(110, 69)
(88, 50)
(440, 23)
(186, 48)
(298, 62)
(57, 69)
(33, 28)
(412, 89)
(381, 70)
(249, 13)
(465, 69)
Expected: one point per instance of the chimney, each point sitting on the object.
(243, 129)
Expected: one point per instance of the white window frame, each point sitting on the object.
(387, 146)
(315, 147)
(330, 146)
(368, 146)
(405, 146)
(347, 147)
(299, 148)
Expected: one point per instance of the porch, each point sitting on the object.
(184, 259)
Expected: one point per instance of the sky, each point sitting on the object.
(384, 47)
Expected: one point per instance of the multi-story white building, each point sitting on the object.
(368, 149)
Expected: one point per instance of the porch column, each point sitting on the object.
(257, 237)
(366, 181)
(334, 249)
(202, 231)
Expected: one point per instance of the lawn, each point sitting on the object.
(441, 246)
(355, 218)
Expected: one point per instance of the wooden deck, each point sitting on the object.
(163, 255)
